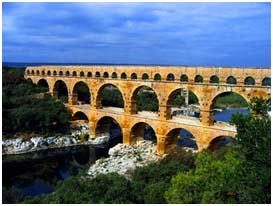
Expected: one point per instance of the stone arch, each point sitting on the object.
(74, 73)
(48, 73)
(97, 74)
(133, 76)
(43, 83)
(266, 81)
(38, 72)
(60, 91)
(105, 75)
(43, 72)
(180, 137)
(114, 75)
(110, 127)
(117, 96)
(214, 79)
(145, 76)
(249, 81)
(61, 73)
(157, 77)
(30, 80)
(32, 72)
(67, 73)
(184, 78)
(80, 116)
(28, 72)
(123, 75)
(220, 141)
(170, 77)
(89, 74)
(231, 80)
(142, 131)
(142, 89)
(81, 74)
(54, 73)
(81, 93)
(198, 78)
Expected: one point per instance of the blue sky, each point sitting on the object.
(204, 34)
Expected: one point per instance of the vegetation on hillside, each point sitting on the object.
(230, 100)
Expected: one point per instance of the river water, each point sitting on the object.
(38, 172)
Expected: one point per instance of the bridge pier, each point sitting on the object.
(164, 112)
(126, 136)
(161, 147)
(207, 117)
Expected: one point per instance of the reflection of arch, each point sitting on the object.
(249, 81)
(108, 126)
(214, 79)
(170, 77)
(89, 74)
(115, 91)
(105, 75)
(144, 90)
(231, 80)
(157, 77)
(184, 78)
(60, 91)
(142, 130)
(114, 75)
(177, 134)
(123, 75)
(198, 78)
(43, 83)
(79, 116)
(81, 93)
(220, 141)
(145, 76)
(266, 81)
(134, 76)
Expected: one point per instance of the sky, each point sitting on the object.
(191, 34)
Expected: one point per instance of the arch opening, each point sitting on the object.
(43, 83)
(220, 142)
(81, 74)
(48, 72)
(105, 75)
(145, 76)
(67, 73)
(32, 72)
(184, 78)
(134, 76)
(81, 94)
(144, 98)
(60, 91)
(97, 74)
(249, 81)
(157, 77)
(123, 75)
(198, 78)
(114, 75)
(30, 80)
(89, 74)
(170, 77)
(180, 137)
(60, 73)
(109, 127)
(109, 96)
(266, 81)
(214, 79)
(231, 80)
(74, 73)
(80, 116)
(142, 131)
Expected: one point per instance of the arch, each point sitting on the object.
(134, 76)
(231, 80)
(54, 73)
(139, 98)
(123, 75)
(60, 91)
(157, 77)
(266, 81)
(28, 72)
(89, 74)
(142, 131)
(61, 73)
(114, 75)
(109, 95)
(38, 72)
(249, 81)
(180, 137)
(81, 93)
(48, 72)
(198, 78)
(43, 72)
(32, 72)
(105, 75)
(220, 141)
(97, 74)
(170, 77)
(74, 73)
(67, 73)
(30, 80)
(184, 78)
(145, 76)
(80, 116)
(43, 83)
(81, 74)
(109, 126)
(214, 79)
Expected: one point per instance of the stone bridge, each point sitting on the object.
(207, 83)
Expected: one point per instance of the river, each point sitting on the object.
(38, 172)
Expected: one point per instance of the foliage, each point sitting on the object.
(12, 195)
(112, 97)
(231, 100)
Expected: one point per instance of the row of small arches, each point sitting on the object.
(184, 78)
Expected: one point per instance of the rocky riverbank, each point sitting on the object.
(123, 159)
